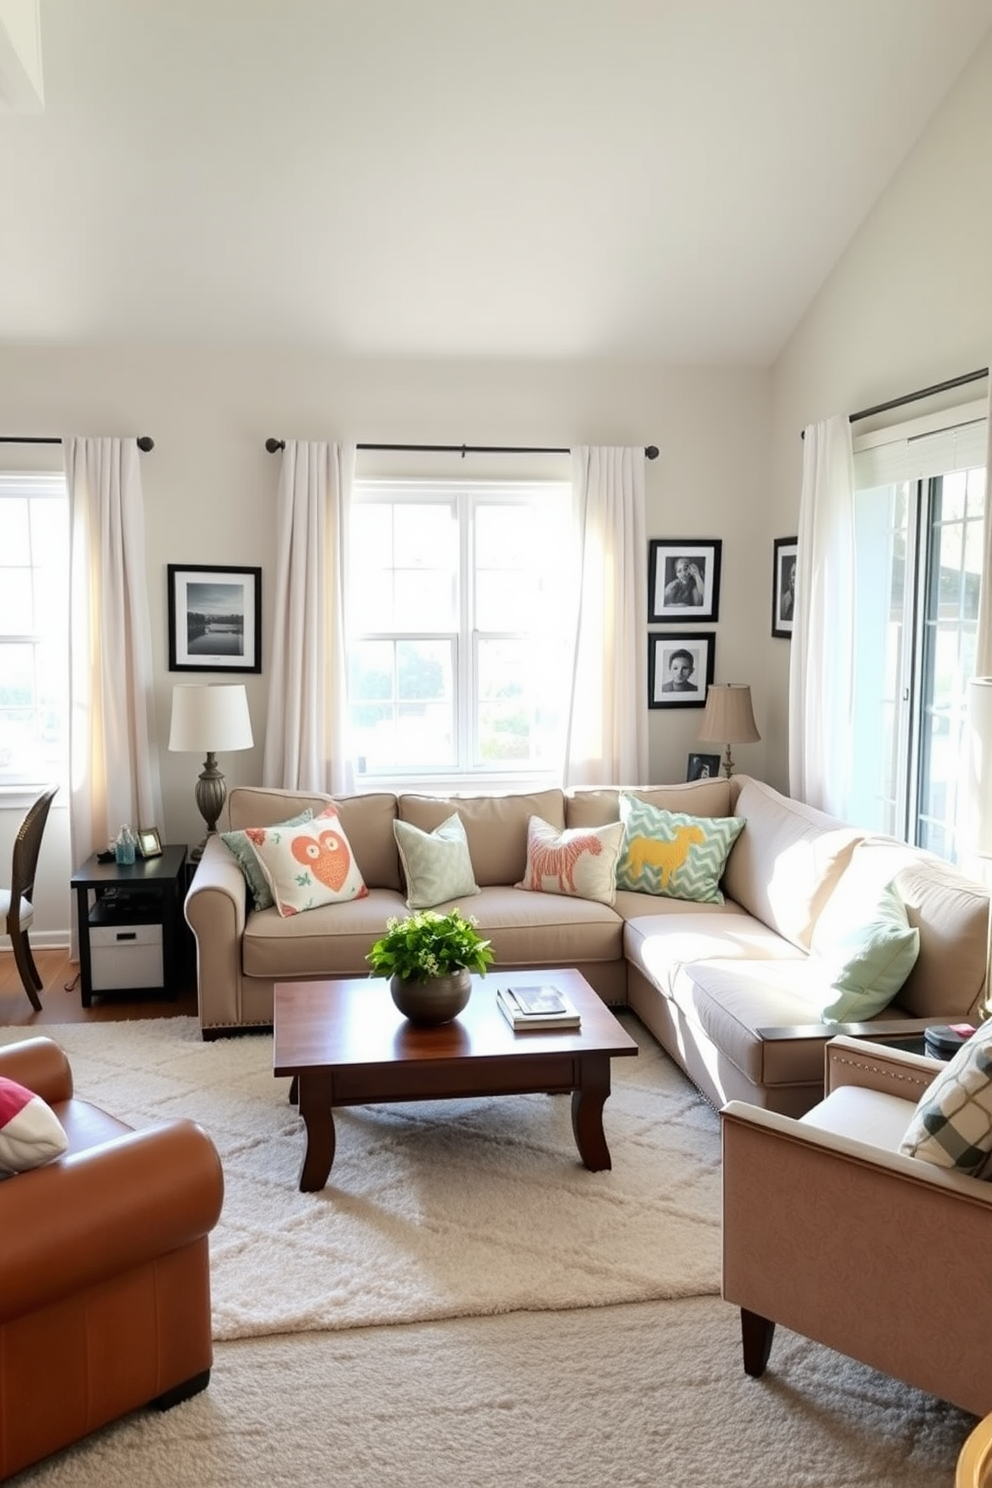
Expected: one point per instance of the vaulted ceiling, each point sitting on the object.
(663, 179)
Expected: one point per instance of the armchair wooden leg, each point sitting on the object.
(756, 1336)
(27, 970)
(182, 1392)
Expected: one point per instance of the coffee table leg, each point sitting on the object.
(588, 1100)
(316, 1091)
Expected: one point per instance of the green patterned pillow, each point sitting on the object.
(242, 849)
(952, 1124)
(672, 854)
(437, 865)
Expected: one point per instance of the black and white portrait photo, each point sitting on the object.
(684, 579)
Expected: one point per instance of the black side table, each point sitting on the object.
(130, 923)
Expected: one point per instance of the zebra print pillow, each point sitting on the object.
(580, 862)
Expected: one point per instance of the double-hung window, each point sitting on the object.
(920, 506)
(459, 628)
(34, 629)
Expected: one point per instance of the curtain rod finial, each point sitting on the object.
(275, 444)
(145, 443)
(651, 452)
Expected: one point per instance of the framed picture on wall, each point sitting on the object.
(215, 619)
(684, 579)
(680, 668)
(784, 585)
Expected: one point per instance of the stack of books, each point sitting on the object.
(534, 1006)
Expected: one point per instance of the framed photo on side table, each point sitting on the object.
(784, 585)
(215, 618)
(149, 843)
(680, 668)
(684, 579)
(702, 767)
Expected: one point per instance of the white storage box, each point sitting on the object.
(125, 956)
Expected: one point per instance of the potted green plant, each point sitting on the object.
(429, 959)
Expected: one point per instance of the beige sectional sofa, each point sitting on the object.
(729, 990)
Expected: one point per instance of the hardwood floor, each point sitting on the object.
(61, 1002)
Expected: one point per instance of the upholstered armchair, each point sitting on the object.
(830, 1231)
(104, 1274)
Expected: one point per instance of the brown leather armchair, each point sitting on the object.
(104, 1269)
(829, 1230)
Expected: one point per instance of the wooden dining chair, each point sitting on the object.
(16, 906)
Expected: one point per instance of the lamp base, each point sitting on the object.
(728, 765)
(211, 793)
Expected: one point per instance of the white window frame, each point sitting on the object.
(914, 454)
(465, 495)
(20, 787)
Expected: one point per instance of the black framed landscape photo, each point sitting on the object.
(684, 579)
(215, 618)
(784, 585)
(680, 668)
(702, 767)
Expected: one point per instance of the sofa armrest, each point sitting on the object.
(39, 1065)
(91, 1215)
(216, 913)
(849, 1061)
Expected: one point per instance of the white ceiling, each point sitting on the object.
(663, 179)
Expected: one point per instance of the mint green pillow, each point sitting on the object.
(864, 965)
(240, 845)
(672, 854)
(437, 864)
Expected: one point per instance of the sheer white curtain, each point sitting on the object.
(306, 730)
(983, 655)
(821, 667)
(606, 740)
(114, 762)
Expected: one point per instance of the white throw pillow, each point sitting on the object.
(30, 1131)
(437, 865)
(308, 865)
(579, 862)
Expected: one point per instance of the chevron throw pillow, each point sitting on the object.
(674, 855)
(952, 1123)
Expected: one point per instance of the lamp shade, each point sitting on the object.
(210, 718)
(728, 717)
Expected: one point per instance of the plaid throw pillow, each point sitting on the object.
(952, 1124)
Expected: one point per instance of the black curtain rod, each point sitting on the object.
(928, 392)
(145, 442)
(650, 450)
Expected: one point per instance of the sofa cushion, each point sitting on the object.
(864, 952)
(952, 1123)
(784, 866)
(581, 861)
(30, 1131)
(436, 865)
(949, 910)
(496, 827)
(596, 807)
(367, 820)
(672, 853)
(309, 864)
(241, 847)
(326, 942)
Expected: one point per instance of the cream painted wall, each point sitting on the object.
(209, 487)
(909, 305)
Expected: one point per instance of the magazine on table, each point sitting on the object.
(536, 1005)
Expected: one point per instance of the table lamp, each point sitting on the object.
(728, 718)
(210, 717)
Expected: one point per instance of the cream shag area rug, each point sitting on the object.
(433, 1209)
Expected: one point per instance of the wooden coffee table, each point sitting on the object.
(346, 1044)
